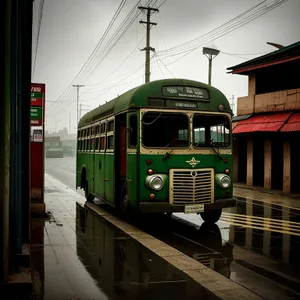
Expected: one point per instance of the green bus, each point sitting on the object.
(162, 147)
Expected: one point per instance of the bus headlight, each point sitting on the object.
(155, 182)
(223, 180)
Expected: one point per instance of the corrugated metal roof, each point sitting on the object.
(290, 127)
(267, 118)
(258, 127)
(262, 123)
(234, 125)
(295, 118)
(239, 118)
(293, 123)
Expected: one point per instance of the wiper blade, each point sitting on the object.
(218, 154)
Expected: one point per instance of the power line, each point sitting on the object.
(120, 7)
(116, 14)
(227, 27)
(88, 91)
(38, 34)
(223, 32)
(195, 40)
(120, 27)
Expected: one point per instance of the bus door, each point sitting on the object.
(122, 150)
(109, 163)
(99, 160)
(132, 157)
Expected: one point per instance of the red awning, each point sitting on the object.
(293, 124)
(262, 123)
(234, 125)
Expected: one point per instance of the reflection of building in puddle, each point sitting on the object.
(269, 229)
(123, 267)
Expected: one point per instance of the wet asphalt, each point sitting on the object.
(255, 244)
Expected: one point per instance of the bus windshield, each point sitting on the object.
(165, 130)
(211, 131)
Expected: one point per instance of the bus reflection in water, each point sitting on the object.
(162, 147)
(125, 269)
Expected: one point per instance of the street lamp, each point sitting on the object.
(210, 53)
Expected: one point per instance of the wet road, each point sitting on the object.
(255, 244)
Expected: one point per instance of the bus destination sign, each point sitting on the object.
(185, 92)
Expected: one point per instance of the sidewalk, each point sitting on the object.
(79, 254)
(267, 196)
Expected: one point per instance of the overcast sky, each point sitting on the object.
(71, 29)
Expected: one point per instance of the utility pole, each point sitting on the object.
(148, 48)
(78, 86)
(81, 109)
(69, 122)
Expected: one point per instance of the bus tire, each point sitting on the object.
(88, 196)
(211, 216)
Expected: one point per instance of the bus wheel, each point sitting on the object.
(211, 216)
(88, 196)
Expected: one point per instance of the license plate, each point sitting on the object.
(193, 208)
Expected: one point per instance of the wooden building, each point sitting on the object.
(266, 129)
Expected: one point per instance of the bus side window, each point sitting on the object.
(133, 131)
(102, 143)
(110, 142)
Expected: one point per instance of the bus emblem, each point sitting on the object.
(193, 162)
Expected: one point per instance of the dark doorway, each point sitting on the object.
(277, 164)
(120, 156)
(242, 157)
(258, 161)
(295, 165)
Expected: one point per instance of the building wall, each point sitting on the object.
(280, 161)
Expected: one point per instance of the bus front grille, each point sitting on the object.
(191, 186)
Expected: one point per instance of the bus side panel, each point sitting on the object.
(78, 168)
(99, 174)
(109, 175)
(132, 177)
(81, 161)
(89, 160)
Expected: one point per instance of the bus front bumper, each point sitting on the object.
(161, 207)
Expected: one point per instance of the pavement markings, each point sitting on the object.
(268, 224)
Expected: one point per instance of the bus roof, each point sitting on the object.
(138, 97)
